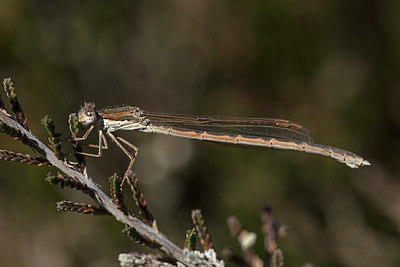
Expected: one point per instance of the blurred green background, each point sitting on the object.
(331, 65)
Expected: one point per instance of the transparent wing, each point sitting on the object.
(249, 127)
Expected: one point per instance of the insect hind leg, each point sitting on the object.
(130, 156)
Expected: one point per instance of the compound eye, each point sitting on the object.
(87, 114)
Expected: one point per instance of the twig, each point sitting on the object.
(58, 178)
(191, 239)
(4, 128)
(74, 129)
(54, 137)
(15, 133)
(138, 238)
(116, 192)
(270, 229)
(81, 207)
(24, 158)
(140, 201)
(198, 221)
(140, 259)
(278, 259)
(246, 240)
(207, 258)
(15, 105)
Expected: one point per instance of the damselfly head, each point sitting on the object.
(87, 114)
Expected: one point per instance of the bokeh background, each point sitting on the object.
(330, 65)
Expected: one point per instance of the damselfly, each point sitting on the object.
(258, 132)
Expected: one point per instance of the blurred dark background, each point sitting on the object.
(331, 65)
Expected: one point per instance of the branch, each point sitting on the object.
(105, 201)
(24, 158)
(206, 258)
(198, 221)
(271, 230)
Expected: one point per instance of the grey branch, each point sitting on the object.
(107, 202)
(206, 258)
